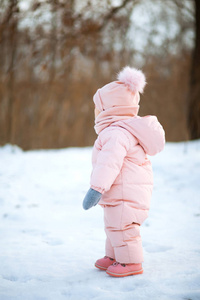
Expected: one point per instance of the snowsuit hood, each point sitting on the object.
(148, 131)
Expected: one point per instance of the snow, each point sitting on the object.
(48, 243)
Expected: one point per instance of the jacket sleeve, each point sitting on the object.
(114, 147)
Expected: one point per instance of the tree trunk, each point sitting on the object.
(12, 46)
(194, 90)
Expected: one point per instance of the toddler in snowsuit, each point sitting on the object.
(122, 179)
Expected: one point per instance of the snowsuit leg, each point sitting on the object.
(123, 234)
(109, 249)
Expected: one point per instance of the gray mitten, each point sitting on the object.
(91, 199)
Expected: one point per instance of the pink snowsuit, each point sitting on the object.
(122, 172)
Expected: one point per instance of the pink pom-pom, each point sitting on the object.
(132, 78)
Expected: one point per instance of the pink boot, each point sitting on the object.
(122, 270)
(104, 263)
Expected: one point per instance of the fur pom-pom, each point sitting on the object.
(132, 78)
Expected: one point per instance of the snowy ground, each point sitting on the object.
(48, 243)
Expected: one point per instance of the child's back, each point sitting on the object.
(121, 168)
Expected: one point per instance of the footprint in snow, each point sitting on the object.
(10, 278)
(14, 278)
(53, 241)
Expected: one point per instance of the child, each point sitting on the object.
(122, 179)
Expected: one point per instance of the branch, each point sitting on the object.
(12, 8)
(113, 12)
(180, 5)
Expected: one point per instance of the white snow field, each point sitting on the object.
(48, 243)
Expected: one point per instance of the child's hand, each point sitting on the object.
(91, 199)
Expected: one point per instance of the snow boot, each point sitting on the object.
(104, 263)
(122, 270)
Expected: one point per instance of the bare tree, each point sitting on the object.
(54, 54)
(8, 32)
(194, 92)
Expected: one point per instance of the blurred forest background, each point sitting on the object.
(55, 54)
